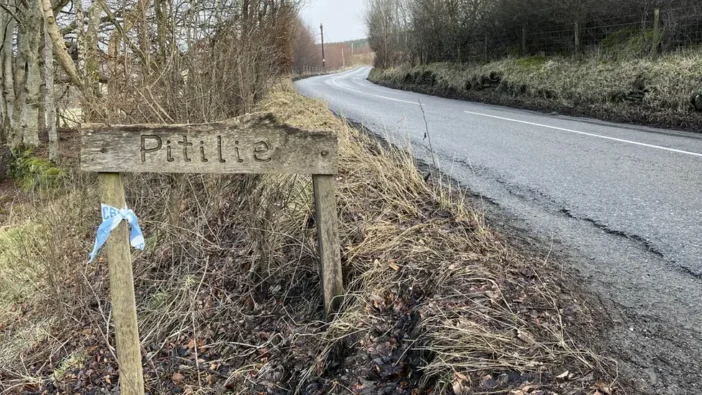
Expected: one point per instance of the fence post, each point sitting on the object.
(524, 51)
(656, 31)
(119, 258)
(328, 239)
(485, 50)
(577, 38)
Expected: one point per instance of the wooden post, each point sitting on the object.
(577, 39)
(328, 239)
(656, 31)
(122, 291)
(524, 51)
(485, 50)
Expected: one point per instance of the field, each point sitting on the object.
(228, 289)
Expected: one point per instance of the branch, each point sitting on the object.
(10, 12)
(113, 20)
(59, 44)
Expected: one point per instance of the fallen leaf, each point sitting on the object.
(563, 376)
(177, 378)
(461, 376)
(602, 388)
(459, 388)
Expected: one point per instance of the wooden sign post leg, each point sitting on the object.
(328, 239)
(122, 291)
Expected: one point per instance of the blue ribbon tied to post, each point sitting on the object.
(111, 218)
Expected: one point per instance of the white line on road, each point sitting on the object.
(589, 134)
(370, 94)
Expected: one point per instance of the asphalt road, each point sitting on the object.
(624, 201)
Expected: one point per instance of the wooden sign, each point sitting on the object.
(249, 144)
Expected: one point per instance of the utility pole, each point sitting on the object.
(324, 61)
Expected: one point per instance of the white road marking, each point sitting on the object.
(589, 134)
(370, 94)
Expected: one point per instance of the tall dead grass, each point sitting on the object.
(229, 297)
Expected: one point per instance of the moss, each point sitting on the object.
(32, 172)
(627, 43)
(531, 62)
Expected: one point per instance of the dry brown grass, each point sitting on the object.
(229, 300)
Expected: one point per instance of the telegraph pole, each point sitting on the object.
(324, 61)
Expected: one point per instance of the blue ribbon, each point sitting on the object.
(111, 217)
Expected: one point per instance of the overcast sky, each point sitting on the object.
(342, 19)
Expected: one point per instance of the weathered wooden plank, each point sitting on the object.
(328, 239)
(250, 144)
(122, 291)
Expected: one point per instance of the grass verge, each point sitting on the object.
(656, 92)
(228, 292)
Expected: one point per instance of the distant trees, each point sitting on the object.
(388, 23)
(306, 51)
(422, 31)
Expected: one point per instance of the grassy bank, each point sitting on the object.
(644, 91)
(228, 291)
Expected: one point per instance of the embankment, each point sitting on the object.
(657, 92)
(229, 296)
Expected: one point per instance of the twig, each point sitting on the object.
(427, 135)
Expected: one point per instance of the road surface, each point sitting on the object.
(625, 200)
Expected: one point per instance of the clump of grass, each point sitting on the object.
(74, 361)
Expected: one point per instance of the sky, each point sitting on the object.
(342, 19)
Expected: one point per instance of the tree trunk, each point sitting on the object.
(30, 113)
(59, 45)
(21, 68)
(49, 104)
(5, 18)
(92, 63)
(8, 80)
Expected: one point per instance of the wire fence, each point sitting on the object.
(633, 35)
